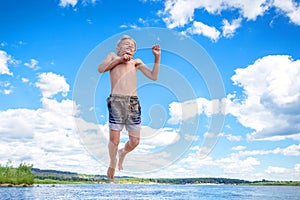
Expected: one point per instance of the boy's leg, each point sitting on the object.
(134, 140)
(114, 140)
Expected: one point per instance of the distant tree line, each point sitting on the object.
(202, 181)
(16, 176)
(66, 176)
(184, 180)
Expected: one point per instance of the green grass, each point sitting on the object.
(276, 183)
(16, 176)
(51, 181)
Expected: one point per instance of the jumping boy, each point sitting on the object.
(123, 104)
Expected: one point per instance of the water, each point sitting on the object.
(147, 191)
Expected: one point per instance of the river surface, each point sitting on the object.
(149, 191)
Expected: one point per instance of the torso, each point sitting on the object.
(123, 79)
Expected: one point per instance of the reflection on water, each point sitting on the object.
(144, 191)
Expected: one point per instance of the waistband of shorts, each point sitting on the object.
(123, 96)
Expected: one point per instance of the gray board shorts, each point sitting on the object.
(124, 111)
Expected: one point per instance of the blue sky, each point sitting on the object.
(49, 52)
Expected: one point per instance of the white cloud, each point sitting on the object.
(272, 97)
(231, 137)
(191, 137)
(73, 3)
(196, 166)
(249, 9)
(181, 13)
(25, 80)
(5, 59)
(5, 87)
(228, 29)
(282, 173)
(276, 170)
(193, 165)
(179, 111)
(158, 137)
(297, 168)
(235, 165)
(65, 3)
(238, 148)
(290, 8)
(292, 150)
(45, 137)
(52, 84)
(17, 124)
(3, 44)
(202, 29)
(33, 64)
(86, 2)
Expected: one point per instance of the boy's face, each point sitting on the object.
(127, 46)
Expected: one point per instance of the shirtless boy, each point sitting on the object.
(123, 103)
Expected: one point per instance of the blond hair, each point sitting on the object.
(125, 37)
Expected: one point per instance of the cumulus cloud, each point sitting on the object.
(17, 124)
(238, 148)
(271, 105)
(159, 137)
(292, 150)
(52, 84)
(73, 3)
(202, 29)
(181, 13)
(5, 60)
(41, 136)
(234, 165)
(179, 111)
(231, 137)
(33, 64)
(195, 165)
(228, 29)
(65, 3)
(290, 8)
(276, 170)
(5, 87)
(86, 2)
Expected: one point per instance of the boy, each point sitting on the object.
(123, 104)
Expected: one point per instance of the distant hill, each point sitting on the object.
(71, 176)
(67, 176)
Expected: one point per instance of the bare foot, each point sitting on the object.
(122, 155)
(111, 169)
(110, 173)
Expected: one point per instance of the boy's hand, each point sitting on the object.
(125, 58)
(156, 50)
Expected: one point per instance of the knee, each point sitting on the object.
(134, 142)
(115, 141)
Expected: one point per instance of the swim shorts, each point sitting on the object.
(124, 111)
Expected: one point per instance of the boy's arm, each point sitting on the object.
(109, 63)
(151, 74)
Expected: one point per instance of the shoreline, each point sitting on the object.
(12, 185)
(55, 182)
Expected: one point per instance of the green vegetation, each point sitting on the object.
(275, 183)
(59, 177)
(182, 180)
(51, 181)
(16, 176)
(25, 175)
